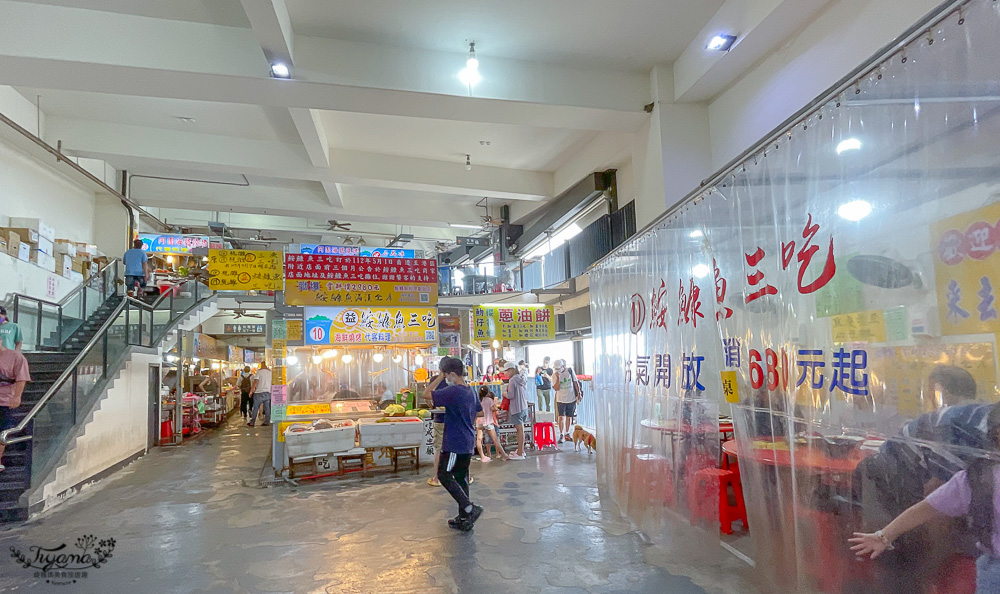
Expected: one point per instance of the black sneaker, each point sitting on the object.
(477, 510)
(456, 523)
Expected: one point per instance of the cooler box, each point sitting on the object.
(401, 432)
(315, 442)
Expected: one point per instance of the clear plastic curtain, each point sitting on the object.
(844, 276)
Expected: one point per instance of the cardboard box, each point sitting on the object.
(24, 252)
(64, 264)
(25, 235)
(43, 260)
(76, 277)
(45, 246)
(65, 246)
(37, 225)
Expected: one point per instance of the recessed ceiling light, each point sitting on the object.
(855, 210)
(848, 144)
(721, 42)
(185, 119)
(280, 70)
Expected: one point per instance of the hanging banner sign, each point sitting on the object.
(363, 325)
(357, 268)
(244, 270)
(359, 293)
(294, 329)
(514, 322)
(243, 328)
(355, 250)
(172, 244)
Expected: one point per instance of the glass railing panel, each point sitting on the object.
(50, 335)
(73, 314)
(94, 300)
(27, 319)
(50, 428)
(117, 341)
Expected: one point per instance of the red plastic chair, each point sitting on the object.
(711, 485)
(545, 435)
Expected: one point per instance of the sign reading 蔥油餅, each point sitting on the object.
(370, 325)
(967, 270)
(244, 270)
(514, 322)
(313, 279)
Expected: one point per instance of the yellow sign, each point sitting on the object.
(730, 386)
(420, 375)
(514, 322)
(294, 329)
(368, 293)
(321, 408)
(278, 345)
(376, 325)
(860, 326)
(967, 271)
(244, 270)
(278, 376)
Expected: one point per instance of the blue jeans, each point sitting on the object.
(987, 574)
(261, 399)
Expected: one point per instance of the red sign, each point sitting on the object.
(359, 268)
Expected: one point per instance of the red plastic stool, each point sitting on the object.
(545, 435)
(715, 482)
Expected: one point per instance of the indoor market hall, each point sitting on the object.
(574, 296)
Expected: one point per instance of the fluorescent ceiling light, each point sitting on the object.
(557, 239)
(280, 70)
(721, 42)
(855, 210)
(701, 270)
(464, 226)
(848, 144)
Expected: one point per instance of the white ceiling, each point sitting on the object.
(514, 147)
(218, 12)
(622, 35)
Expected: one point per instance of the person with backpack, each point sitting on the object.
(568, 394)
(246, 383)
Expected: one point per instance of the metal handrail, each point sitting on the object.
(10, 296)
(98, 337)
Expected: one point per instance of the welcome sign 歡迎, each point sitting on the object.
(370, 325)
(355, 280)
(172, 244)
(355, 250)
(244, 270)
(514, 322)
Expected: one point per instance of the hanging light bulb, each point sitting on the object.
(215, 365)
(470, 74)
(330, 354)
(317, 359)
(496, 344)
(419, 359)
(377, 357)
(347, 358)
(291, 360)
(397, 358)
(468, 163)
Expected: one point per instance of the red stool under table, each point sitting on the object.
(710, 483)
(545, 435)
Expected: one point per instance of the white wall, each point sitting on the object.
(28, 279)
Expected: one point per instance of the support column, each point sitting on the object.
(110, 225)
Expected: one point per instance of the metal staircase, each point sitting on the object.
(75, 349)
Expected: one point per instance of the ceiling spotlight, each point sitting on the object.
(280, 70)
(855, 210)
(701, 270)
(347, 358)
(361, 241)
(468, 163)
(470, 74)
(330, 354)
(347, 241)
(848, 144)
(317, 359)
(721, 42)
(377, 357)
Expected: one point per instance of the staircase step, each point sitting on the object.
(13, 479)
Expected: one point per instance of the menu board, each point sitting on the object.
(364, 325)
(514, 322)
(372, 293)
(313, 279)
(244, 270)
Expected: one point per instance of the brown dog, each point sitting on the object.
(582, 435)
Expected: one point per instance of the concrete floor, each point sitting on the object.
(194, 519)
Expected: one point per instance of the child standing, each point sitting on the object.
(972, 493)
(488, 424)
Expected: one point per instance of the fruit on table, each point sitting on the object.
(395, 410)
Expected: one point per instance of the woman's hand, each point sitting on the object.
(867, 543)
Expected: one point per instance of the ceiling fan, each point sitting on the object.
(334, 225)
(242, 313)
(488, 220)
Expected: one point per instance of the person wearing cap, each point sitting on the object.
(517, 393)
(10, 333)
(459, 441)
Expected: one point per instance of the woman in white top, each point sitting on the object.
(488, 423)
(564, 383)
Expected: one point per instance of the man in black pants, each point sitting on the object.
(245, 396)
(461, 407)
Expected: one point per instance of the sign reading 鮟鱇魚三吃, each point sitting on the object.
(514, 322)
(370, 325)
(244, 270)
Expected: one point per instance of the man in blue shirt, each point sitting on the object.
(136, 267)
(461, 407)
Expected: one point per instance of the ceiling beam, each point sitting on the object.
(147, 57)
(138, 148)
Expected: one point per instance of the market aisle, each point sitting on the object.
(191, 519)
